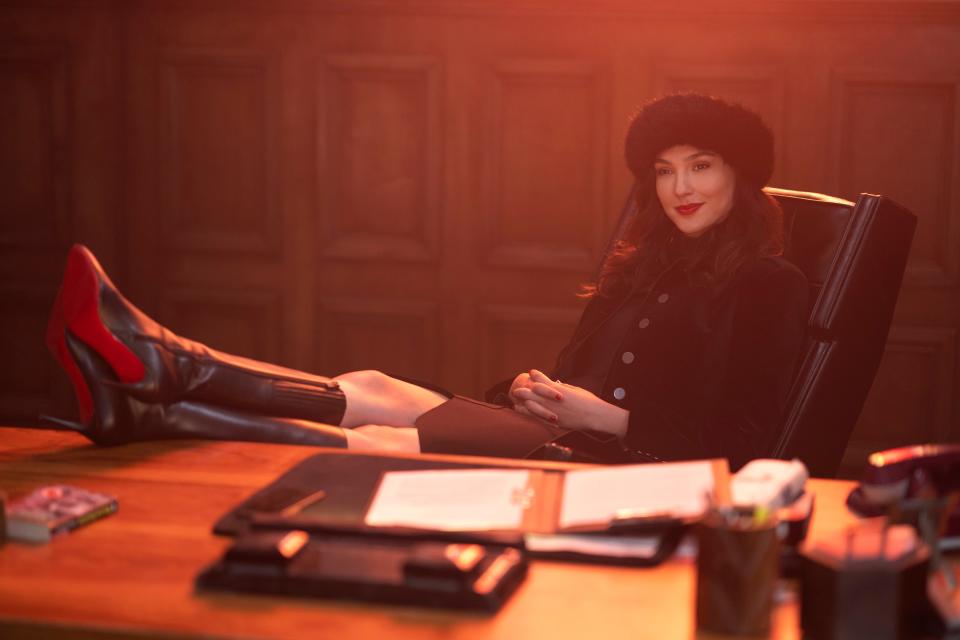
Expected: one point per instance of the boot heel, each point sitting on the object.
(80, 306)
(59, 424)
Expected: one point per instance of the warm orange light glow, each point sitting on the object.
(465, 556)
(497, 569)
(292, 543)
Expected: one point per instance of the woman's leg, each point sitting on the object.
(118, 358)
(374, 398)
(136, 380)
(118, 417)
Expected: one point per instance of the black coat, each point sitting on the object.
(706, 371)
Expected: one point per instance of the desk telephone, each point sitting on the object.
(928, 470)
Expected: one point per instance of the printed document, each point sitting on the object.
(497, 499)
(451, 500)
(678, 489)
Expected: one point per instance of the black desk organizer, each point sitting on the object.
(388, 568)
(304, 535)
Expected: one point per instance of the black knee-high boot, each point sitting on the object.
(119, 417)
(157, 367)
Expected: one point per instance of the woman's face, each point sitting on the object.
(695, 188)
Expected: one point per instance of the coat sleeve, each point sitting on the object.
(746, 399)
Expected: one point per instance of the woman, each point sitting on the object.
(685, 349)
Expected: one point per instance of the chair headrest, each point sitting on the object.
(814, 227)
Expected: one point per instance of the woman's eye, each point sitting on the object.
(700, 166)
(663, 171)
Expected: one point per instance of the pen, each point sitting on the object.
(303, 503)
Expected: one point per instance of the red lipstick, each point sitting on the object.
(687, 209)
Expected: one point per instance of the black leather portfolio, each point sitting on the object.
(331, 492)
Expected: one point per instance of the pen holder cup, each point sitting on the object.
(737, 568)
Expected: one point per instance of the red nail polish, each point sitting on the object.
(558, 397)
(553, 418)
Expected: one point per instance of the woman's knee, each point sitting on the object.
(374, 397)
(367, 381)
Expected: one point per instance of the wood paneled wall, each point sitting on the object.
(420, 187)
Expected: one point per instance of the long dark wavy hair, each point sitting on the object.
(652, 243)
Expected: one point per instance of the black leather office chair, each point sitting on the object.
(854, 255)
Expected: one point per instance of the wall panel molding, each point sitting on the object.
(219, 152)
(915, 161)
(242, 322)
(35, 127)
(515, 338)
(544, 146)
(913, 396)
(396, 336)
(379, 169)
(30, 383)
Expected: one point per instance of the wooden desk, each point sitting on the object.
(132, 573)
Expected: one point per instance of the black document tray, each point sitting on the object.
(363, 565)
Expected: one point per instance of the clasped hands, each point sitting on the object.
(565, 405)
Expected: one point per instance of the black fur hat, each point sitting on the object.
(736, 133)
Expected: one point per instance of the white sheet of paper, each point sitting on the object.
(594, 496)
(450, 500)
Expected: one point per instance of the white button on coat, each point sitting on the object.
(663, 297)
(619, 393)
(627, 357)
(643, 324)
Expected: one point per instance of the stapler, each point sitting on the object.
(895, 475)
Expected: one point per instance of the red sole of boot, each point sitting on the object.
(78, 310)
(57, 344)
